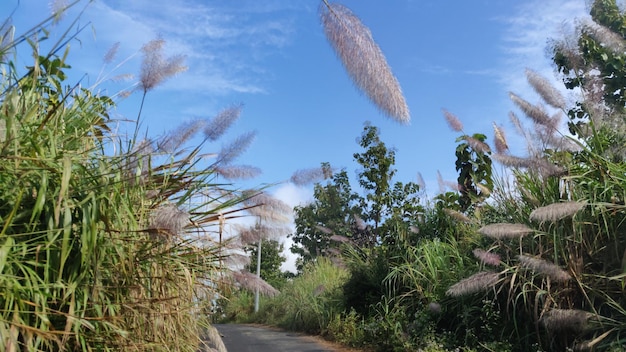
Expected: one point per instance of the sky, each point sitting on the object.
(272, 56)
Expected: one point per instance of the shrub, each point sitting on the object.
(99, 250)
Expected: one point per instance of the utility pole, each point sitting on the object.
(258, 274)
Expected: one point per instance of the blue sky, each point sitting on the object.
(272, 56)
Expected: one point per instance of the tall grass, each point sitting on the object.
(310, 301)
(99, 250)
(562, 281)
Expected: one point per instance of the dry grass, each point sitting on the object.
(363, 60)
(503, 230)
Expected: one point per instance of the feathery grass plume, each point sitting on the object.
(212, 340)
(486, 257)
(267, 201)
(420, 181)
(233, 260)
(137, 163)
(557, 211)
(476, 283)
(544, 167)
(536, 113)
(544, 267)
(453, 121)
(124, 94)
(559, 142)
(339, 239)
(251, 282)
(121, 78)
(57, 9)
(457, 215)
(110, 54)
(605, 36)
(515, 121)
(360, 223)
(500, 139)
(363, 60)
(443, 184)
(513, 161)
(304, 177)
(254, 233)
(231, 151)
(477, 145)
(267, 207)
(238, 172)
(249, 235)
(575, 320)
(172, 141)
(338, 262)
(504, 230)
(168, 220)
(545, 89)
(434, 308)
(323, 229)
(331, 251)
(154, 68)
(219, 124)
(268, 214)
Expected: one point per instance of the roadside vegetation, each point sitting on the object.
(115, 241)
(109, 241)
(525, 251)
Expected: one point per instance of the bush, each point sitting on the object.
(309, 302)
(347, 329)
(95, 245)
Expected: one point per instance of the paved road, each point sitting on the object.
(248, 338)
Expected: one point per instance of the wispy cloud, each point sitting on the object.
(225, 43)
(293, 196)
(526, 46)
(527, 35)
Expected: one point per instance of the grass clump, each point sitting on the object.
(99, 249)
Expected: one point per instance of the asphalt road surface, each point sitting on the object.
(249, 338)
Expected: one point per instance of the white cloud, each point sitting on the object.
(526, 45)
(527, 38)
(294, 196)
(226, 44)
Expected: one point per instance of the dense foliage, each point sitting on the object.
(105, 243)
(529, 260)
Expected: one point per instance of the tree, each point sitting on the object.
(597, 65)
(381, 216)
(474, 167)
(271, 261)
(332, 212)
(389, 206)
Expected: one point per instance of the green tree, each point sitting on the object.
(597, 50)
(597, 65)
(271, 261)
(474, 167)
(333, 210)
(382, 215)
(389, 207)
